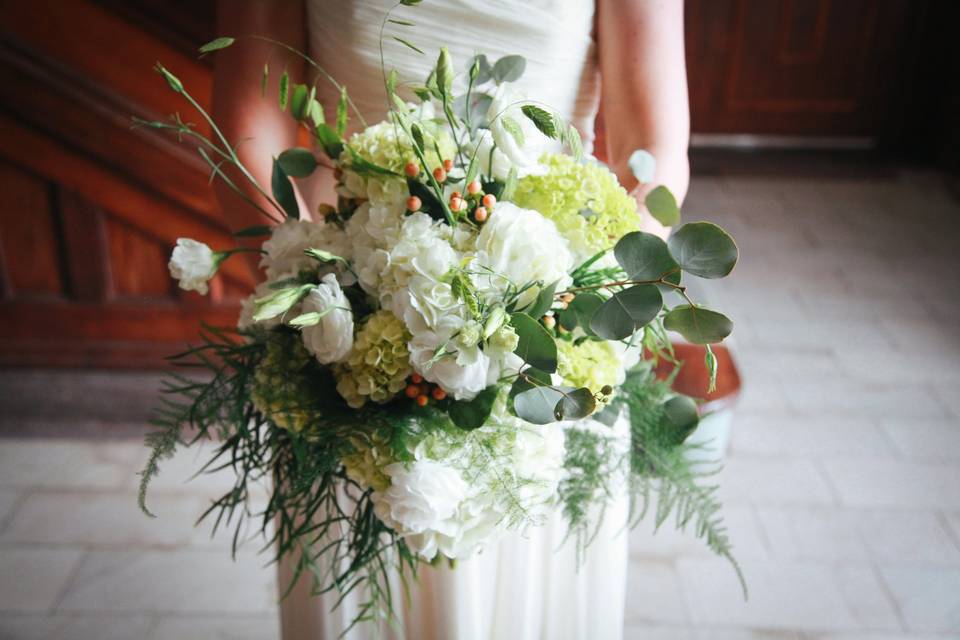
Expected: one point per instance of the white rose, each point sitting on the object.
(423, 496)
(193, 264)
(523, 246)
(331, 339)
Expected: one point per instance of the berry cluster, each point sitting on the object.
(475, 202)
(420, 391)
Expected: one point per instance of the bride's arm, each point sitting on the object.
(244, 116)
(644, 85)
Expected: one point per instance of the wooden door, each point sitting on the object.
(799, 67)
(93, 206)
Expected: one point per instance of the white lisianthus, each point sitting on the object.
(331, 339)
(193, 263)
(506, 121)
(461, 377)
(523, 247)
(423, 497)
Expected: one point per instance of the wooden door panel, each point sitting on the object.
(796, 67)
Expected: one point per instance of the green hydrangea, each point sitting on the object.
(592, 364)
(378, 144)
(379, 365)
(282, 389)
(585, 200)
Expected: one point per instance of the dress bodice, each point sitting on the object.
(555, 37)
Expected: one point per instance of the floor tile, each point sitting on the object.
(863, 482)
(62, 463)
(183, 581)
(211, 628)
(925, 439)
(653, 593)
(31, 579)
(929, 599)
(766, 480)
(809, 435)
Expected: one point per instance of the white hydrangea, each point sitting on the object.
(523, 247)
(331, 339)
(421, 502)
(193, 263)
(422, 248)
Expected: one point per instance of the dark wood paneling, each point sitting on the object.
(797, 67)
(93, 206)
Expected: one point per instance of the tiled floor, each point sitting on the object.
(842, 485)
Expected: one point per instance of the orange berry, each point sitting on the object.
(489, 200)
(439, 174)
(416, 378)
(480, 215)
(549, 322)
(448, 165)
(412, 170)
(422, 400)
(412, 390)
(438, 393)
(457, 204)
(456, 194)
(414, 203)
(474, 187)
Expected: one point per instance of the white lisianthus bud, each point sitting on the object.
(193, 264)
(503, 340)
(330, 339)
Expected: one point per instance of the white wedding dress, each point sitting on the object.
(526, 587)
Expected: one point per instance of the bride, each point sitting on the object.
(626, 56)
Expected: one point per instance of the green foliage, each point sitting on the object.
(283, 191)
(342, 104)
(513, 128)
(536, 347)
(703, 249)
(408, 44)
(542, 119)
(662, 206)
(297, 162)
(509, 69)
(473, 414)
(217, 44)
(643, 256)
(254, 232)
(698, 325)
(543, 301)
(679, 419)
(660, 467)
(626, 312)
(300, 102)
(284, 90)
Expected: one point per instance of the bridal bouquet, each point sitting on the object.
(458, 347)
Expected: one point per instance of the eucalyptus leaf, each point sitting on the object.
(217, 44)
(626, 312)
(643, 166)
(575, 404)
(580, 311)
(484, 70)
(537, 405)
(679, 419)
(331, 142)
(703, 249)
(283, 191)
(663, 206)
(643, 256)
(543, 301)
(536, 346)
(297, 162)
(698, 325)
(509, 69)
(472, 414)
